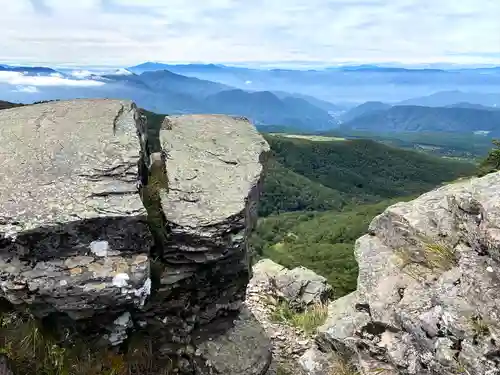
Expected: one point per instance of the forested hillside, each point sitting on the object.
(321, 241)
(434, 119)
(308, 175)
(335, 188)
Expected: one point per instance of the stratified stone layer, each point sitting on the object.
(77, 180)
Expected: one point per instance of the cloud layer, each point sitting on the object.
(125, 32)
(30, 82)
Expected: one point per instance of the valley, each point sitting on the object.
(336, 162)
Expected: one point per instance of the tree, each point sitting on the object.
(492, 162)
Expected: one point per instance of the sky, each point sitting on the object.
(128, 32)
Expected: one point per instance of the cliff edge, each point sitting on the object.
(428, 295)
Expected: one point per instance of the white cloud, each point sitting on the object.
(27, 89)
(125, 32)
(81, 73)
(19, 79)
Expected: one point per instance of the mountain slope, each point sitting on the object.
(320, 241)
(7, 105)
(416, 118)
(364, 170)
(264, 107)
(323, 174)
(364, 109)
(164, 80)
(446, 98)
(472, 106)
(285, 190)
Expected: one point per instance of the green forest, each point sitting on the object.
(319, 197)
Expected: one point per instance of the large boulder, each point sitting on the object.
(110, 223)
(74, 241)
(428, 296)
(202, 188)
(300, 287)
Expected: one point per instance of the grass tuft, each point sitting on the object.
(434, 256)
(479, 326)
(341, 366)
(308, 321)
(31, 351)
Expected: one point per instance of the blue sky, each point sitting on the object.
(126, 32)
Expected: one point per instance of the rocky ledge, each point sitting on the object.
(428, 295)
(110, 224)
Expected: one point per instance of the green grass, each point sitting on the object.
(433, 256)
(33, 351)
(308, 320)
(313, 138)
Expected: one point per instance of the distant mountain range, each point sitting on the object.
(358, 97)
(347, 84)
(410, 118)
(171, 93)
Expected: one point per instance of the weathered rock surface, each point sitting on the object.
(428, 296)
(208, 205)
(73, 236)
(300, 286)
(289, 343)
(74, 241)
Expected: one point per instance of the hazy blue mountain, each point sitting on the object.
(27, 69)
(166, 92)
(319, 99)
(473, 106)
(385, 69)
(428, 119)
(323, 104)
(446, 98)
(357, 84)
(165, 80)
(364, 109)
(265, 107)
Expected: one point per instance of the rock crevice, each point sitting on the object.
(110, 223)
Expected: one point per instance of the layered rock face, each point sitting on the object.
(75, 242)
(428, 296)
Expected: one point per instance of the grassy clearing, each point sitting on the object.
(31, 351)
(308, 320)
(314, 138)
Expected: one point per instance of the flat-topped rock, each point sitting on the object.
(207, 155)
(74, 241)
(67, 160)
(77, 249)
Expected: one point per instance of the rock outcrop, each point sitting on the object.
(81, 249)
(74, 242)
(263, 297)
(299, 287)
(428, 296)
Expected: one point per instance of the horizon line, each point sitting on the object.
(264, 64)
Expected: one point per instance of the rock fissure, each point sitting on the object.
(112, 246)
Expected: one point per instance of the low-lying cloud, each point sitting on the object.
(30, 82)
